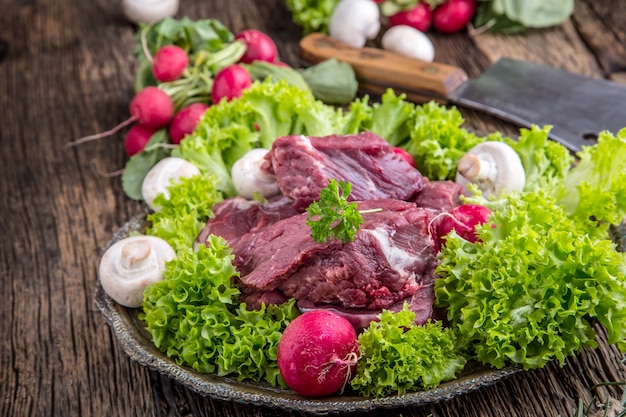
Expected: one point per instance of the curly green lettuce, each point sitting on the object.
(438, 140)
(312, 15)
(531, 291)
(185, 210)
(398, 357)
(194, 317)
(545, 161)
(594, 191)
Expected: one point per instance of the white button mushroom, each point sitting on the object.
(249, 178)
(163, 174)
(408, 41)
(130, 265)
(149, 11)
(353, 22)
(494, 166)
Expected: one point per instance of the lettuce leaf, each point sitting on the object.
(183, 215)
(194, 316)
(398, 356)
(531, 291)
(438, 140)
(594, 191)
(545, 162)
(312, 15)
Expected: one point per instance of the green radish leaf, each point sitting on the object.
(138, 165)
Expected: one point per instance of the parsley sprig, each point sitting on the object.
(333, 216)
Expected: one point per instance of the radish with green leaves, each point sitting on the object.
(419, 17)
(453, 15)
(185, 121)
(317, 353)
(259, 46)
(137, 138)
(169, 63)
(229, 83)
(151, 107)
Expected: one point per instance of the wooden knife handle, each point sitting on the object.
(383, 68)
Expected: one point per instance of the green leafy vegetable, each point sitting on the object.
(545, 161)
(518, 15)
(201, 39)
(312, 15)
(333, 216)
(530, 292)
(331, 81)
(593, 192)
(185, 212)
(438, 140)
(139, 164)
(398, 356)
(260, 70)
(194, 316)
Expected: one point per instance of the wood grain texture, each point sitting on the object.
(67, 70)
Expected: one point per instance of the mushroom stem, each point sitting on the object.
(135, 255)
(478, 168)
(494, 167)
(249, 177)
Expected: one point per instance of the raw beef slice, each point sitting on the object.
(303, 166)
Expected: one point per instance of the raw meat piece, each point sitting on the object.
(392, 257)
(303, 166)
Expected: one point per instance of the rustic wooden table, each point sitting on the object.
(66, 70)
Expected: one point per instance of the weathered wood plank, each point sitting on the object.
(66, 70)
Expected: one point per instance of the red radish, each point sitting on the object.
(317, 353)
(260, 47)
(463, 220)
(169, 63)
(404, 155)
(419, 17)
(137, 138)
(453, 15)
(229, 83)
(185, 121)
(151, 107)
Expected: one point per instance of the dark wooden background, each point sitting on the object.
(66, 70)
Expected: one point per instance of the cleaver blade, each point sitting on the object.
(523, 93)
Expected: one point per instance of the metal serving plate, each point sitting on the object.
(135, 341)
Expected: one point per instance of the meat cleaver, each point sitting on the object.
(523, 93)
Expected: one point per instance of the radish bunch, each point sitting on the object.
(450, 16)
(185, 83)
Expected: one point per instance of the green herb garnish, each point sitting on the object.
(333, 216)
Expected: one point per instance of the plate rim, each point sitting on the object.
(142, 351)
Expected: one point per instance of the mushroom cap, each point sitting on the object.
(149, 11)
(249, 178)
(408, 41)
(494, 166)
(353, 22)
(129, 265)
(163, 174)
